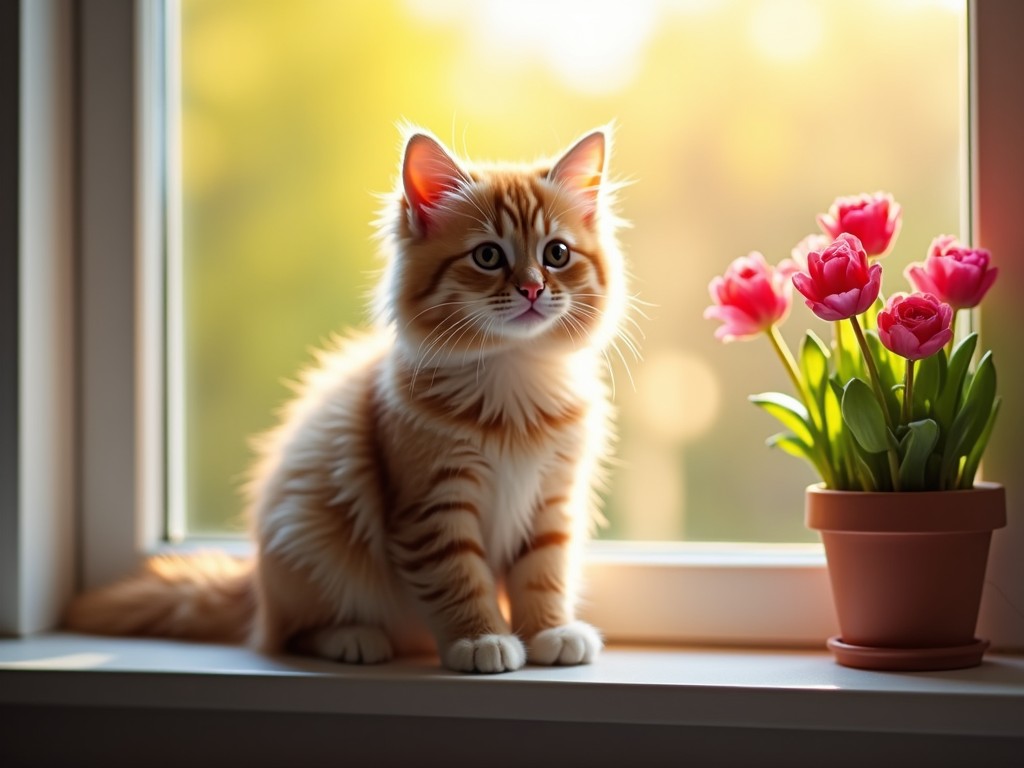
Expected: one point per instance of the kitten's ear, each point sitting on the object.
(580, 169)
(428, 171)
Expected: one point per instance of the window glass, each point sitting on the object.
(737, 122)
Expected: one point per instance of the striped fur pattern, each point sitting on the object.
(431, 484)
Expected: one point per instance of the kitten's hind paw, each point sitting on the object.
(573, 643)
(487, 653)
(352, 644)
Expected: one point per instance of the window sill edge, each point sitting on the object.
(670, 686)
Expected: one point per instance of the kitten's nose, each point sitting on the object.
(531, 285)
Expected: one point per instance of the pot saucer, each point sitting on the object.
(907, 659)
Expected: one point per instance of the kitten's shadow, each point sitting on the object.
(405, 666)
(420, 666)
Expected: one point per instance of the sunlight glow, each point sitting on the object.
(67, 661)
(786, 30)
(735, 121)
(681, 395)
(593, 46)
(657, 487)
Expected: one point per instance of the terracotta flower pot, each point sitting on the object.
(907, 571)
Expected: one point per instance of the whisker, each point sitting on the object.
(589, 312)
(480, 358)
(623, 333)
(571, 323)
(440, 335)
(568, 330)
(438, 329)
(633, 301)
(625, 364)
(611, 370)
(449, 333)
(438, 306)
(465, 329)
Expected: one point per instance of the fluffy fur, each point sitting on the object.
(443, 461)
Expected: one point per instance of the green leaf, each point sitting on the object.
(948, 401)
(849, 362)
(836, 383)
(933, 470)
(929, 374)
(915, 449)
(866, 475)
(789, 411)
(836, 437)
(970, 420)
(863, 415)
(793, 445)
(814, 369)
(970, 467)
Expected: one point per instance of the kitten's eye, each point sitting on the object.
(488, 256)
(556, 254)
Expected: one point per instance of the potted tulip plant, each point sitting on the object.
(893, 413)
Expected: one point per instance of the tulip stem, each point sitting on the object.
(820, 446)
(837, 335)
(952, 339)
(788, 362)
(908, 393)
(876, 383)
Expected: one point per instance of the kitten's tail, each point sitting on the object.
(205, 596)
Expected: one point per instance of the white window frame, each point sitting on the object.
(108, 484)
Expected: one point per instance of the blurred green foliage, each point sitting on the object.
(737, 120)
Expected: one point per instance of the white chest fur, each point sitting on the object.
(521, 389)
(530, 411)
(507, 515)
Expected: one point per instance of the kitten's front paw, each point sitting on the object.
(573, 643)
(487, 653)
(352, 644)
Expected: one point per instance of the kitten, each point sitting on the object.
(443, 462)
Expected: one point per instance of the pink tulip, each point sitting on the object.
(872, 219)
(750, 298)
(839, 283)
(815, 242)
(958, 275)
(915, 326)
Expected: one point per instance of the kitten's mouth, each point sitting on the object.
(531, 315)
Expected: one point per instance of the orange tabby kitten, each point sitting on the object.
(447, 456)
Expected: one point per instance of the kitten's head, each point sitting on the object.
(486, 258)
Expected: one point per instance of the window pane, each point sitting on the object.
(738, 121)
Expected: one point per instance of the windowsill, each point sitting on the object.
(218, 705)
(668, 686)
